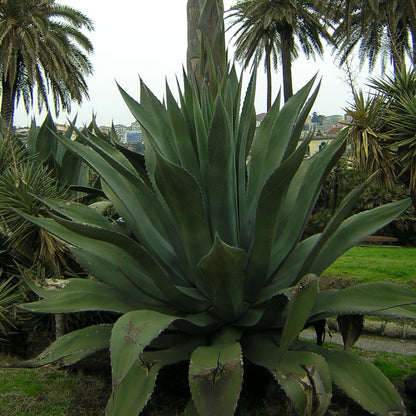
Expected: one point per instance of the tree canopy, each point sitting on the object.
(42, 50)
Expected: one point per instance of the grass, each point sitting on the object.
(375, 263)
(50, 392)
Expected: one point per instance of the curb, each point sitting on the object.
(381, 329)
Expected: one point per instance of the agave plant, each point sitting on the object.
(209, 265)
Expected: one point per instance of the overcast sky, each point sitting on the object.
(147, 39)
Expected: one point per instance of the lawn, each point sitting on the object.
(375, 263)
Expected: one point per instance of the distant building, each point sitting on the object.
(121, 131)
(105, 129)
(334, 131)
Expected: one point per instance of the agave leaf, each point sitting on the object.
(364, 383)
(350, 327)
(131, 334)
(74, 346)
(271, 141)
(137, 160)
(301, 258)
(380, 298)
(181, 135)
(80, 295)
(300, 306)
(222, 269)
(100, 250)
(300, 123)
(246, 129)
(47, 146)
(78, 212)
(144, 117)
(132, 394)
(354, 229)
(163, 133)
(304, 376)
(265, 317)
(267, 214)
(183, 196)
(215, 378)
(132, 200)
(222, 177)
(299, 202)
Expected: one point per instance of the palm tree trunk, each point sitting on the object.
(269, 77)
(7, 103)
(286, 48)
(205, 24)
(194, 45)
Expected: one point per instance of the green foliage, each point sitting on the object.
(382, 130)
(8, 297)
(210, 266)
(43, 50)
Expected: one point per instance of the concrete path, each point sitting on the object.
(370, 342)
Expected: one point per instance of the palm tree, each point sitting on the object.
(377, 28)
(42, 46)
(206, 41)
(275, 25)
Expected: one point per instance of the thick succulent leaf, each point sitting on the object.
(137, 160)
(245, 134)
(143, 116)
(183, 197)
(182, 137)
(221, 176)
(354, 229)
(300, 306)
(132, 394)
(131, 334)
(80, 295)
(300, 260)
(364, 383)
(133, 199)
(216, 378)
(271, 141)
(304, 376)
(138, 276)
(78, 212)
(378, 298)
(163, 134)
(267, 214)
(350, 327)
(266, 317)
(222, 269)
(300, 122)
(291, 267)
(300, 199)
(106, 150)
(73, 346)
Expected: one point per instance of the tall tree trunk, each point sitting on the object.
(206, 34)
(7, 103)
(194, 45)
(286, 39)
(269, 77)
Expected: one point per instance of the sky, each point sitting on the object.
(147, 39)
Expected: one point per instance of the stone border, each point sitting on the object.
(381, 328)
